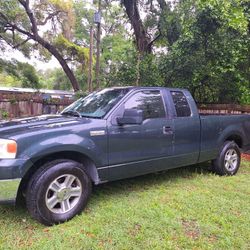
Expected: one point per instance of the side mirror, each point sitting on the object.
(130, 116)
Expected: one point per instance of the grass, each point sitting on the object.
(187, 208)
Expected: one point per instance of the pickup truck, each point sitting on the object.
(51, 161)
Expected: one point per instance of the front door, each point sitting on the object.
(138, 149)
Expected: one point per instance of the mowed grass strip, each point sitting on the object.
(186, 208)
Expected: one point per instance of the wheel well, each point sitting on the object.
(88, 164)
(237, 139)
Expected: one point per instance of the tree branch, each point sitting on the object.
(163, 4)
(156, 38)
(30, 14)
(24, 32)
(4, 17)
(49, 17)
(21, 43)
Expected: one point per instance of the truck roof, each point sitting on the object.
(146, 87)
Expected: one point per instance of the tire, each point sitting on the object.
(58, 191)
(228, 161)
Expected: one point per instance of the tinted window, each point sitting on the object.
(181, 104)
(150, 102)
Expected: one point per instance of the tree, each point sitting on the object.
(22, 26)
(18, 74)
(116, 44)
(143, 42)
(210, 56)
(147, 30)
(28, 76)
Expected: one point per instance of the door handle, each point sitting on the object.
(167, 130)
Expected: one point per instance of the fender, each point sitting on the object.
(63, 143)
(230, 131)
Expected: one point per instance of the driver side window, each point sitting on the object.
(150, 102)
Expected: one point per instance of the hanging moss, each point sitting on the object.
(75, 51)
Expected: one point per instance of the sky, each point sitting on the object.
(39, 65)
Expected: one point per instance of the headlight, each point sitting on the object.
(8, 149)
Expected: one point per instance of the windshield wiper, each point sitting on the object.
(72, 112)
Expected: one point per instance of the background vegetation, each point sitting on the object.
(199, 45)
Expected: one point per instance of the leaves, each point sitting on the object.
(71, 49)
(210, 59)
(17, 74)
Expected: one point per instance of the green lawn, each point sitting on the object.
(187, 208)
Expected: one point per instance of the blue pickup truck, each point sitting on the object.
(51, 161)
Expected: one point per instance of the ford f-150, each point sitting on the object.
(51, 161)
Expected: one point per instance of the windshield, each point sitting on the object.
(97, 104)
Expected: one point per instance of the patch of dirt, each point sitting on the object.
(103, 242)
(88, 234)
(135, 230)
(212, 238)
(191, 228)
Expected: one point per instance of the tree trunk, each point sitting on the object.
(142, 40)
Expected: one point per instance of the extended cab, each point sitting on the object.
(116, 133)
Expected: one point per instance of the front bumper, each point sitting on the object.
(8, 190)
(11, 173)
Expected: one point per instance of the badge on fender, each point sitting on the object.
(97, 132)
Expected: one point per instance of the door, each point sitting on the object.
(140, 148)
(187, 131)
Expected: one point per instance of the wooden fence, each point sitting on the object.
(30, 104)
(224, 109)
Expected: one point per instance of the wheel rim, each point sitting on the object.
(63, 194)
(231, 160)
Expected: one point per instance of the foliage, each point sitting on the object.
(46, 26)
(210, 56)
(18, 74)
(28, 76)
(199, 45)
(4, 114)
(9, 81)
(54, 79)
(72, 50)
(245, 97)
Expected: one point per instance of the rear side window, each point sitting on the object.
(150, 102)
(181, 105)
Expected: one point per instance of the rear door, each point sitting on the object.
(186, 146)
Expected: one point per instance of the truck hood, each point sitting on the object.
(18, 126)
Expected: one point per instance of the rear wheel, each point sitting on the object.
(228, 161)
(58, 191)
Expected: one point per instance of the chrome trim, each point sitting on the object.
(140, 161)
(97, 132)
(8, 189)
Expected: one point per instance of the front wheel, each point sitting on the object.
(58, 191)
(228, 161)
